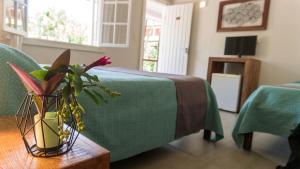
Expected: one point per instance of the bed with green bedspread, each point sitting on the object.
(11, 88)
(139, 120)
(143, 118)
(270, 109)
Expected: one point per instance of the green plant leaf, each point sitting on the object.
(46, 67)
(115, 94)
(88, 77)
(78, 85)
(51, 73)
(99, 95)
(95, 78)
(66, 92)
(92, 96)
(78, 69)
(39, 74)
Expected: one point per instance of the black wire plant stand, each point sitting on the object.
(27, 125)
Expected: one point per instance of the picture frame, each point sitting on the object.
(243, 15)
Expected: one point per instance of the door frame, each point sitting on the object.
(140, 67)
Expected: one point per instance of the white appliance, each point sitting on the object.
(227, 90)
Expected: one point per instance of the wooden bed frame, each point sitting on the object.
(207, 135)
(247, 144)
(248, 137)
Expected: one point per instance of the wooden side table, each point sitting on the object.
(250, 73)
(85, 154)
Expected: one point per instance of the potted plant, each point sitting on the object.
(56, 117)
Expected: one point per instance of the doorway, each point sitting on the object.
(166, 37)
(153, 25)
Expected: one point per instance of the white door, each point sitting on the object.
(175, 39)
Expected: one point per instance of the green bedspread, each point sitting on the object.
(213, 119)
(270, 109)
(143, 118)
(12, 90)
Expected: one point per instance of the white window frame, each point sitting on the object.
(114, 24)
(10, 29)
(97, 26)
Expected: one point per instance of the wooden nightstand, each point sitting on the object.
(250, 73)
(85, 154)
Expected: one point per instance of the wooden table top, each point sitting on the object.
(85, 154)
(234, 59)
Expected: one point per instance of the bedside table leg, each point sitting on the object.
(248, 137)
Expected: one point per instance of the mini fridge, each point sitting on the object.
(227, 90)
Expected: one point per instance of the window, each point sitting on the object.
(88, 22)
(57, 20)
(115, 22)
(15, 16)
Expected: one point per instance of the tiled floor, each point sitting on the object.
(193, 152)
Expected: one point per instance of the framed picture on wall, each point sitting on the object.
(243, 15)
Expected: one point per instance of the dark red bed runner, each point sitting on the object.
(191, 99)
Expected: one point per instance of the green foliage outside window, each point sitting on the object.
(150, 66)
(55, 25)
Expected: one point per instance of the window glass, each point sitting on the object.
(15, 20)
(121, 32)
(107, 34)
(10, 13)
(88, 22)
(109, 13)
(21, 17)
(122, 13)
(149, 66)
(115, 14)
(61, 20)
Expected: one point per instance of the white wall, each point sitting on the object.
(123, 57)
(278, 47)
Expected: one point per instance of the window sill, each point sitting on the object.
(61, 45)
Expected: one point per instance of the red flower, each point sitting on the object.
(101, 62)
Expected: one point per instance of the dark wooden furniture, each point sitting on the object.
(207, 135)
(85, 154)
(247, 144)
(250, 73)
